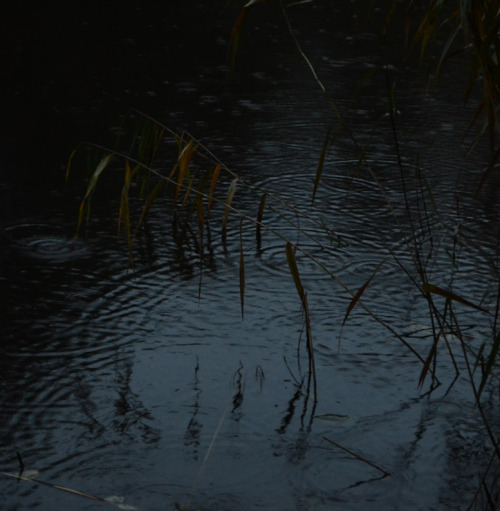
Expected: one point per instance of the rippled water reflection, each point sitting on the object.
(130, 383)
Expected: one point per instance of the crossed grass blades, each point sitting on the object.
(202, 191)
(192, 188)
(198, 183)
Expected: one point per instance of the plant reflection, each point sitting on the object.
(129, 411)
(194, 427)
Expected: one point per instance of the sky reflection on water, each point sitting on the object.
(124, 382)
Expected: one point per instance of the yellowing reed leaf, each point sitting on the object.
(213, 183)
(189, 189)
(184, 159)
(92, 184)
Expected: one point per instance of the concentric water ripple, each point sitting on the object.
(45, 242)
(151, 383)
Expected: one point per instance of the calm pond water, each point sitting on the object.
(127, 385)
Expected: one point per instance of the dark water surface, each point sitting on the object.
(125, 384)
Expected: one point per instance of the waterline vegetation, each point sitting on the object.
(202, 192)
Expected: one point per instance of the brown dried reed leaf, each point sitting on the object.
(294, 271)
(430, 288)
(321, 162)
(427, 364)
(360, 292)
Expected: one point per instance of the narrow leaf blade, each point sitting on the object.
(360, 292)
(430, 288)
(294, 271)
(321, 162)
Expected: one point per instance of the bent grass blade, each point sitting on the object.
(185, 157)
(357, 296)
(430, 288)
(361, 290)
(84, 206)
(230, 194)
(294, 271)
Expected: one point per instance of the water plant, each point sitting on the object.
(160, 165)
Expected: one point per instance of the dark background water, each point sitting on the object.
(124, 383)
